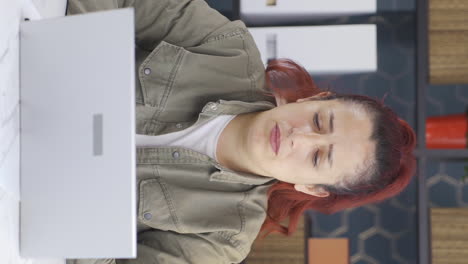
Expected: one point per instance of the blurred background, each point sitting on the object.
(386, 232)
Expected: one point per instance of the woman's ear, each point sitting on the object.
(311, 190)
(280, 100)
(317, 96)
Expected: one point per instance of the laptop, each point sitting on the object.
(77, 136)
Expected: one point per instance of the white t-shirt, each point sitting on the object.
(202, 138)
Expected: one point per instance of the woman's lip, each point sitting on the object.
(275, 137)
(278, 139)
(273, 141)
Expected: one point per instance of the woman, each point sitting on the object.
(218, 161)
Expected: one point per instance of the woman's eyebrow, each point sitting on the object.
(330, 148)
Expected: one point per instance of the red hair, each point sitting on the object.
(392, 171)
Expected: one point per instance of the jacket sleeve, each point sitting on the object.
(157, 246)
(184, 23)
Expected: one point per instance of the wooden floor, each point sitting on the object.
(279, 249)
(449, 235)
(448, 41)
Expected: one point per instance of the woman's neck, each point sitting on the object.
(232, 147)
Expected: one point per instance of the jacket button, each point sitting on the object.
(147, 71)
(178, 125)
(175, 154)
(148, 216)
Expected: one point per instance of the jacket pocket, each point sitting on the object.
(157, 73)
(155, 207)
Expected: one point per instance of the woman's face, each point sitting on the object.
(320, 142)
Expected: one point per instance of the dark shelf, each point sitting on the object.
(422, 40)
(443, 154)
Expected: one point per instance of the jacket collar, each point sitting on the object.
(227, 175)
(233, 107)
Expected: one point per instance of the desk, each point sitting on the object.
(11, 13)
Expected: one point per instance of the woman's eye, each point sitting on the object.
(316, 156)
(317, 121)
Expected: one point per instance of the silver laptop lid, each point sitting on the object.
(78, 136)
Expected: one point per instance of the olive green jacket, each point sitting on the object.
(193, 64)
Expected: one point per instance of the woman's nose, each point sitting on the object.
(312, 138)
